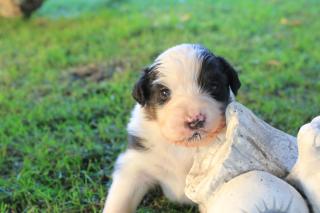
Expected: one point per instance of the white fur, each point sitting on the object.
(164, 162)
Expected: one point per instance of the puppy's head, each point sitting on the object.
(186, 91)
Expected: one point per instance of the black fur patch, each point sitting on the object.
(141, 91)
(135, 142)
(216, 76)
(148, 94)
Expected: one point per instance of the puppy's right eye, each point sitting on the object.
(164, 94)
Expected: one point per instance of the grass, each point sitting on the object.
(65, 84)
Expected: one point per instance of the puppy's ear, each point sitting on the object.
(232, 75)
(140, 90)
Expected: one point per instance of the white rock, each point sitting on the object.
(250, 144)
(306, 173)
(256, 192)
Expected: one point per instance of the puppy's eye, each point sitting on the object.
(215, 87)
(164, 94)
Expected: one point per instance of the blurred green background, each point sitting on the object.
(66, 76)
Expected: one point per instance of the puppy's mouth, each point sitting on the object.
(197, 136)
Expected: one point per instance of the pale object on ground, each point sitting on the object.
(250, 144)
(256, 192)
(306, 173)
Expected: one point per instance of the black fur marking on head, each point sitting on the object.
(141, 90)
(216, 75)
(135, 142)
(232, 75)
(149, 95)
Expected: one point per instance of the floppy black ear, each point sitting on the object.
(233, 78)
(140, 90)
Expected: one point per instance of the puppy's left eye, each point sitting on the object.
(164, 94)
(214, 87)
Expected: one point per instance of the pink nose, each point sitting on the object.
(196, 122)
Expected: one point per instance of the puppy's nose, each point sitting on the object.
(196, 122)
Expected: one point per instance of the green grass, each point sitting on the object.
(60, 134)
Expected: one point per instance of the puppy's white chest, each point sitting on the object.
(172, 167)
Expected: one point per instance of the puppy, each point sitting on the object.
(181, 101)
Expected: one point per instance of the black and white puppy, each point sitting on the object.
(181, 99)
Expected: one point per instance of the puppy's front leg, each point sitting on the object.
(129, 185)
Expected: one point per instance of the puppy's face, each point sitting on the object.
(186, 91)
